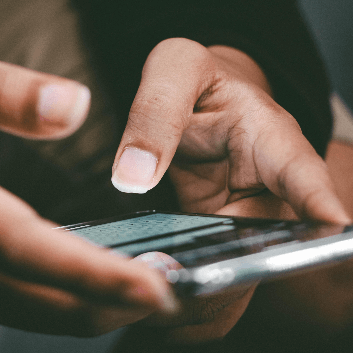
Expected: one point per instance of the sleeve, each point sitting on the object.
(122, 33)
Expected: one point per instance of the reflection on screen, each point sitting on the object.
(196, 240)
(145, 227)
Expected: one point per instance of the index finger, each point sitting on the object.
(175, 74)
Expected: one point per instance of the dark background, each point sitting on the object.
(331, 22)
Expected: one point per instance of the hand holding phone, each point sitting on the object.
(223, 259)
(219, 252)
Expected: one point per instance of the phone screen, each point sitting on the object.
(196, 240)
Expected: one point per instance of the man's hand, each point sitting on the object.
(210, 112)
(51, 281)
(208, 117)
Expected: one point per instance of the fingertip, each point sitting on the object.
(82, 105)
(62, 108)
(325, 206)
(39, 105)
(135, 171)
(128, 188)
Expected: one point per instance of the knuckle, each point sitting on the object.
(182, 46)
(259, 110)
(275, 117)
(180, 60)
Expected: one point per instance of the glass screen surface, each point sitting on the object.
(195, 240)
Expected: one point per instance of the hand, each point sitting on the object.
(211, 110)
(207, 115)
(321, 299)
(51, 281)
(201, 318)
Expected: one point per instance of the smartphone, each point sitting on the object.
(221, 252)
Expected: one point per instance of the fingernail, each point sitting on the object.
(135, 171)
(67, 104)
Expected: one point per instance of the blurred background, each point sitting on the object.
(332, 26)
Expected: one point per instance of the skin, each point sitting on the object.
(207, 115)
(321, 299)
(211, 110)
(50, 281)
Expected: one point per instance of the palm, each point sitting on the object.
(201, 167)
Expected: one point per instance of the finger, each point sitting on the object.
(39, 105)
(289, 166)
(301, 177)
(174, 76)
(159, 261)
(39, 308)
(32, 251)
(201, 315)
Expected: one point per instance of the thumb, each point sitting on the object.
(172, 80)
(290, 167)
